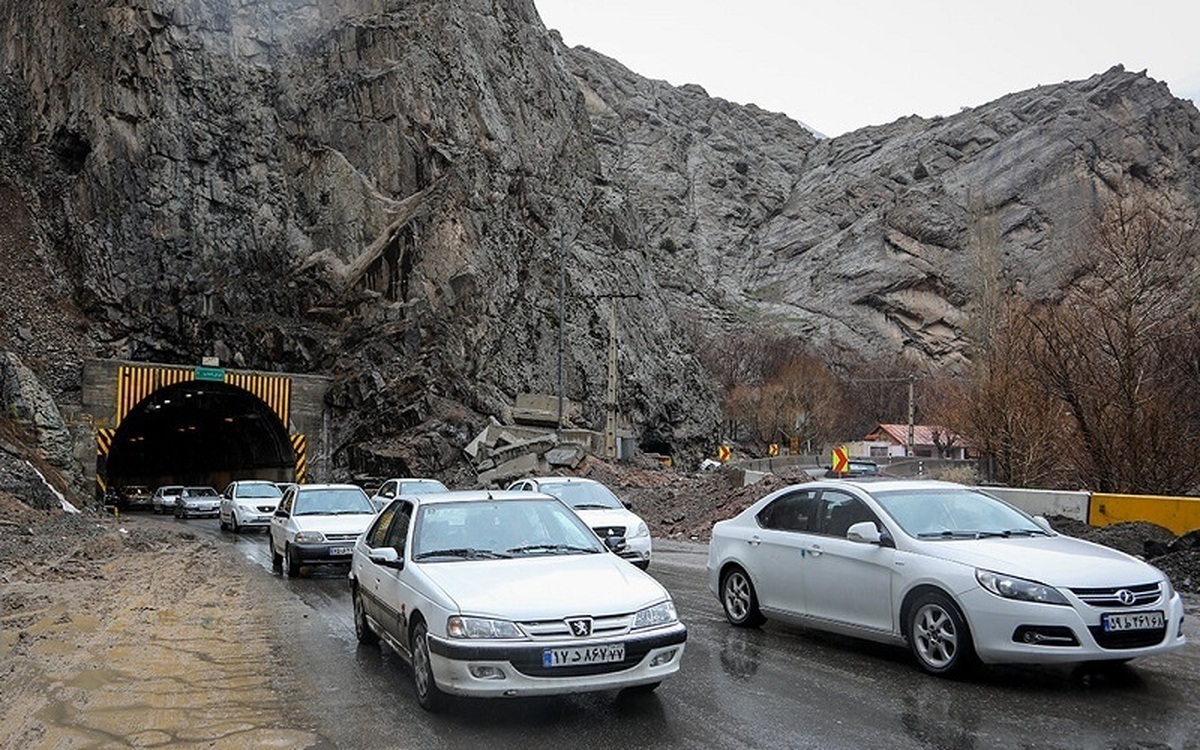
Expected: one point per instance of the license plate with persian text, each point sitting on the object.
(571, 657)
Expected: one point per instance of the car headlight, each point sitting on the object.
(640, 530)
(1011, 587)
(662, 613)
(1168, 589)
(247, 508)
(481, 627)
(309, 537)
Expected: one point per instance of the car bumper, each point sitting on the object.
(326, 552)
(192, 511)
(517, 670)
(636, 550)
(249, 520)
(1007, 631)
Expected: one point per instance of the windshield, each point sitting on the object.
(582, 495)
(448, 532)
(331, 502)
(954, 513)
(199, 492)
(258, 490)
(424, 486)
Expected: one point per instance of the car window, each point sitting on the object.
(456, 531)
(388, 490)
(422, 487)
(258, 491)
(378, 531)
(954, 513)
(840, 511)
(582, 495)
(285, 505)
(795, 511)
(331, 501)
(398, 532)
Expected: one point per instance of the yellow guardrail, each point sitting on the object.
(1179, 514)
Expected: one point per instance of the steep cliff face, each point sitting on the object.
(884, 240)
(375, 190)
(384, 191)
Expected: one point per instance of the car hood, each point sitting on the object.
(548, 587)
(1058, 561)
(355, 523)
(609, 517)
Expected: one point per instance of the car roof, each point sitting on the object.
(559, 480)
(254, 481)
(884, 484)
(309, 487)
(480, 496)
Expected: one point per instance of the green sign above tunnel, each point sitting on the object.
(210, 373)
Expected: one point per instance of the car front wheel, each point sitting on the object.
(362, 630)
(293, 562)
(429, 695)
(938, 636)
(740, 600)
(276, 558)
(234, 526)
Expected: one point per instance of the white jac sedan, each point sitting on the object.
(317, 524)
(496, 594)
(247, 504)
(957, 574)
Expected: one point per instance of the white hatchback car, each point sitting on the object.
(317, 524)
(248, 503)
(163, 500)
(496, 594)
(600, 509)
(957, 574)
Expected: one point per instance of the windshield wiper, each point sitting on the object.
(946, 534)
(565, 548)
(592, 506)
(1011, 533)
(469, 553)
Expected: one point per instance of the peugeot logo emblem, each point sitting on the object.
(581, 627)
(1126, 597)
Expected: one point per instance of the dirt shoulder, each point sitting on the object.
(127, 632)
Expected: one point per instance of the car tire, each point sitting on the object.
(429, 695)
(233, 523)
(293, 564)
(739, 600)
(362, 630)
(276, 558)
(221, 522)
(938, 636)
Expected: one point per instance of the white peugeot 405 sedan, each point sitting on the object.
(953, 572)
(496, 594)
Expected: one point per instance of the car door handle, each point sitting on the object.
(815, 550)
(754, 541)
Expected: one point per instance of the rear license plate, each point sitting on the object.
(570, 657)
(339, 551)
(1114, 621)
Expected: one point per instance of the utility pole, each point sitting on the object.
(912, 413)
(562, 285)
(610, 400)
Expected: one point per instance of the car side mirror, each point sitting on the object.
(1043, 524)
(388, 557)
(615, 543)
(866, 532)
(628, 505)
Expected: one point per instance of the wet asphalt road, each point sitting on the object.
(778, 687)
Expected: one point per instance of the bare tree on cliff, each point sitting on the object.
(1121, 349)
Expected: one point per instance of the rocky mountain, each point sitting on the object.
(387, 191)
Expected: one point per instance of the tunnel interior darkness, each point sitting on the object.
(199, 433)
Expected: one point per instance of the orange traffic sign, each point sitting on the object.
(773, 449)
(723, 453)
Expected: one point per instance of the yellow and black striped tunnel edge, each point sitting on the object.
(300, 446)
(135, 383)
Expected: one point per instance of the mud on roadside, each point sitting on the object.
(122, 631)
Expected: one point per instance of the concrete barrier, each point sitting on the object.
(1044, 502)
(1179, 514)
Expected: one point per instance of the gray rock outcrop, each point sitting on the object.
(379, 190)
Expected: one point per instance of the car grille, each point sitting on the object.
(557, 630)
(266, 508)
(1110, 597)
(606, 531)
(1120, 639)
(341, 537)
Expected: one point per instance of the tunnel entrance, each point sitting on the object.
(199, 433)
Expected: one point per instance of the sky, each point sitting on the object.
(844, 64)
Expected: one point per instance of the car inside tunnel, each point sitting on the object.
(199, 433)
